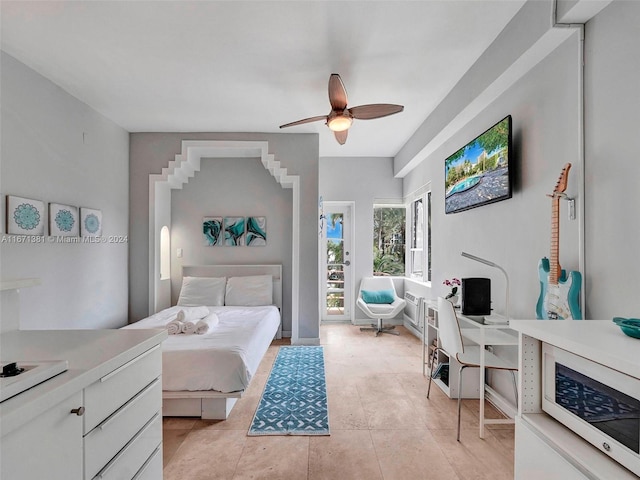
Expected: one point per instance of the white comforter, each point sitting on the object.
(225, 358)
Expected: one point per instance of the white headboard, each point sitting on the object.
(239, 271)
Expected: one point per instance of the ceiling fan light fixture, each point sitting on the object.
(340, 117)
(339, 123)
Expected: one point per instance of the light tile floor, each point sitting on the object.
(382, 425)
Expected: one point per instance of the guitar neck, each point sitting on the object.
(554, 265)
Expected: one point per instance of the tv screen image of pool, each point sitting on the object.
(480, 172)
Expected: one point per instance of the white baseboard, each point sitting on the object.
(413, 329)
(500, 403)
(286, 334)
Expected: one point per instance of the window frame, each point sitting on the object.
(414, 244)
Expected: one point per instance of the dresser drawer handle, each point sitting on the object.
(130, 362)
(126, 406)
(78, 411)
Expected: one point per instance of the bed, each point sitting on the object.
(204, 375)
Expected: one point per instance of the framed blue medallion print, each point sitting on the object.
(63, 220)
(24, 216)
(90, 222)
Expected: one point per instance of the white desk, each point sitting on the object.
(484, 335)
(481, 334)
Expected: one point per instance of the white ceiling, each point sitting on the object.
(235, 66)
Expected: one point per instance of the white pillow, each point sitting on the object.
(251, 290)
(197, 291)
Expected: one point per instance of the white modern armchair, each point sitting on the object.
(378, 299)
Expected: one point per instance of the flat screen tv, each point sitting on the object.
(481, 171)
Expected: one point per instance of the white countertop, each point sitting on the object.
(599, 340)
(91, 355)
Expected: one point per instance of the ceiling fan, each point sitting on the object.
(340, 117)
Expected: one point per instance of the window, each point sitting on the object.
(389, 222)
(417, 238)
(428, 279)
(335, 261)
(419, 261)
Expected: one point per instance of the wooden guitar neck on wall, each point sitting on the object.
(559, 290)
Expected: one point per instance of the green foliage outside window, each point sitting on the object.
(389, 241)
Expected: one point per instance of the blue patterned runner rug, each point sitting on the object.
(294, 401)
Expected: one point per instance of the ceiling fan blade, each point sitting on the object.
(375, 110)
(337, 92)
(306, 120)
(341, 137)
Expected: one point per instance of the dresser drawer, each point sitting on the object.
(152, 469)
(49, 446)
(132, 457)
(108, 394)
(110, 436)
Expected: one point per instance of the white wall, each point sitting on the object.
(44, 157)
(150, 152)
(514, 233)
(612, 74)
(362, 180)
(232, 187)
(545, 104)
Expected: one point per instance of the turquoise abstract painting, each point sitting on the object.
(256, 231)
(234, 231)
(212, 231)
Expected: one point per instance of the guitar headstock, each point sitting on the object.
(561, 184)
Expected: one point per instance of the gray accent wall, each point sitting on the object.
(298, 153)
(228, 187)
(57, 149)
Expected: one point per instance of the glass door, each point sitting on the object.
(336, 285)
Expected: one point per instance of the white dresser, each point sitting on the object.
(99, 419)
(546, 448)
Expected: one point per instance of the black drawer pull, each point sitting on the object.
(78, 411)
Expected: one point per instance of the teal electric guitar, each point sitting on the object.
(559, 290)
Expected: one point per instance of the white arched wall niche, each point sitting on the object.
(178, 173)
(165, 253)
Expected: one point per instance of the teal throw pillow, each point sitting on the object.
(378, 296)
